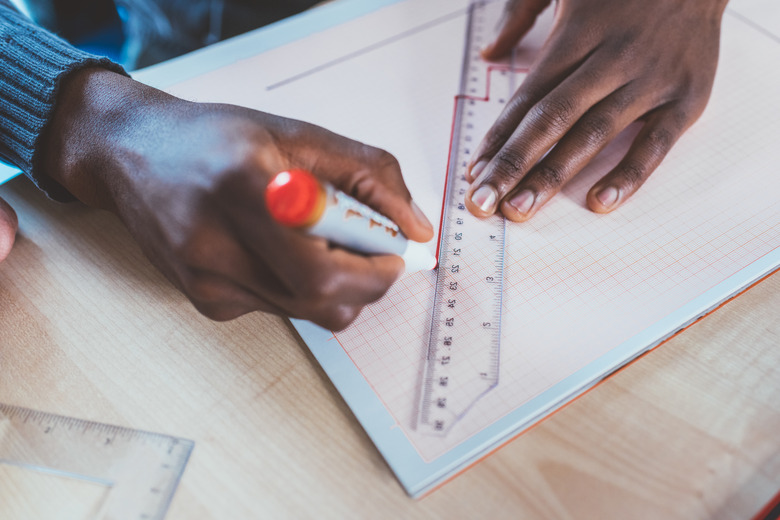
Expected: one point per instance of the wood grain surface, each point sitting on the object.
(89, 329)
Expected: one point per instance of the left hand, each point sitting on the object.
(606, 64)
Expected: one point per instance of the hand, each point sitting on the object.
(188, 180)
(605, 65)
(8, 226)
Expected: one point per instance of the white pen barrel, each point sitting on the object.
(355, 226)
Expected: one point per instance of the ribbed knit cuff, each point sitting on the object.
(33, 63)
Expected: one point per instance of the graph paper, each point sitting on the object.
(584, 293)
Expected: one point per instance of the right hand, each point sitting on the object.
(8, 226)
(188, 180)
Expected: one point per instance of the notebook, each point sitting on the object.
(584, 293)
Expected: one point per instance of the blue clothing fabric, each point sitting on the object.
(33, 63)
(144, 32)
(157, 30)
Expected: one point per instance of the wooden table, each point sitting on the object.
(89, 329)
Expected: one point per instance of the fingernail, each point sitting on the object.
(477, 169)
(421, 218)
(485, 198)
(523, 201)
(608, 196)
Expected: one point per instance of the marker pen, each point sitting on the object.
(297, 199)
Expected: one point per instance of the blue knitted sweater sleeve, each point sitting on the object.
(33, 63)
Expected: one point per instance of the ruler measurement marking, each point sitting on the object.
(463, 357)
(141, 472)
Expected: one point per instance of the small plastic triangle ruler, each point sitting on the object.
(140, 470)
(463, 358)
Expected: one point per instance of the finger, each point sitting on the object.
(9, 223)
(376, 180)
(217, 250)
(233, 283)
(333, 317)
(541, 128)
(333, 296)
(370, 175)
(321, 273)
(597, 128)
(554, 67)
(296, 270)
(649, 148)
(519, 17)
(308, 268)
(219, 299)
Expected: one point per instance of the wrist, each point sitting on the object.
(81, 147)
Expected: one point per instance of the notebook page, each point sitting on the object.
(578, 285)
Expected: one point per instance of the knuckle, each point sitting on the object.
(693, 88)
(509, 165)
(597, 129)
(368, 185)
(551, 176)
(659, 141)
(339, 317)
(195, 253)
(210, 312)
(382, 158)
(374, 290)
(203, 289)
(378, 292)
(219, 313)
(624, 46)
(321, 286)
(633, 173)
(624, 99)
(553, 115)
(493, 141)
(684, 115)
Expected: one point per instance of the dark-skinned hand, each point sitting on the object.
(606, 64)
(188, 180)
(8, 225)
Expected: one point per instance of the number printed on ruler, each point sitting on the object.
(463, 358)
(140, 470)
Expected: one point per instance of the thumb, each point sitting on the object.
(8, 225)
(519, 17)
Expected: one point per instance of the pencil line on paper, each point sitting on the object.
(763, 30)
(367, 49)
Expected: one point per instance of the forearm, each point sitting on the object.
(33, 64)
